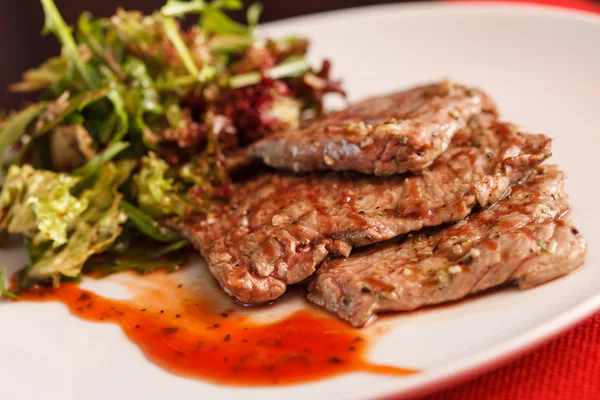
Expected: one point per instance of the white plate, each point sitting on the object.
(543, 68)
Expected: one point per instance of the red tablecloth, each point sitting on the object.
(566, 368)
(582, 5)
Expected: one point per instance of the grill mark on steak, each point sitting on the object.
(526, 238)
(277, 228)
(403, 131)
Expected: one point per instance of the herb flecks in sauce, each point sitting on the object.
(179, 333)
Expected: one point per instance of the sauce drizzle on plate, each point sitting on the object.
(187, 335)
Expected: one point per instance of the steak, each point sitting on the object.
(403, 131)
(278, 227)
(525, 238)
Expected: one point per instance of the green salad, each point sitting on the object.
(137, 122)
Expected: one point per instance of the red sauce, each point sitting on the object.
(189, 336)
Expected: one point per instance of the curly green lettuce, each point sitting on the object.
(157, 195)
(13, 128)
(95, 230)
(66, 229)
(38, 204)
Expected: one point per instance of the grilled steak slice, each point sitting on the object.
(277, 228)
(526, 237)
(404, 131)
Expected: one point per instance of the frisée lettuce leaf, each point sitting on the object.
(38, 204)
(157, 195)
(68, 229)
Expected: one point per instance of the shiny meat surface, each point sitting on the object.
(277, 228)
(403, 131)
(526, 238)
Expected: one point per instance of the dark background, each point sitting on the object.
(22, 47)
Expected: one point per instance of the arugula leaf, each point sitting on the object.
(142, 97)
(178, 8)
(42, 77)
(89, 32)
(253, 14)
(181, 244)
(216, 21)
(147, 225)
(4, 292)
(55, 23)
(137, 258)
(15, 126)
(292, 67)
(212, 19)
(100, 40)
(75, 103)
(147, 98)
(35, 252)
(172, 32)
(118, 102)
(227, 4)
(95, 164)
(228, 43)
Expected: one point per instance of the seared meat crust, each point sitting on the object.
(277, 228)
(525, 238)
(403, 131)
